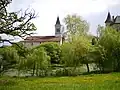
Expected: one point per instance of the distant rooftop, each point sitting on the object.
(112, 20)
(43, 39)
(117, 19)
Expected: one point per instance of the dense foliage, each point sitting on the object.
(53, 50)
(109, 44)
(37, 60)
(8, 58)
(80, 50)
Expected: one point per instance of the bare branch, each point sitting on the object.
(11, 43)
(22, 22)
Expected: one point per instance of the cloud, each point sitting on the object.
(82, 7)
(49, 9)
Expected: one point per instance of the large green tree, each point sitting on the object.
(53, 50)
(75, 25)
(108, 49)
(79, 42)
(37, 60)
(14, 24)
(75, 53)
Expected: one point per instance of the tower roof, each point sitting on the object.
(58, 21)
(117, 20)
(108, 18)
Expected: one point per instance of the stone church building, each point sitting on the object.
(37, 40)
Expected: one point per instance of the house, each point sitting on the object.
(37, 40)
(113, 21)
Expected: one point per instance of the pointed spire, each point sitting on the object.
(108, 18)
(58, 21)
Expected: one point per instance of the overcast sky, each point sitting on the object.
(94, 11)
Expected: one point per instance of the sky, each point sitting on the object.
(93, 11)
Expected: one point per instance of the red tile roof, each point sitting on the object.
(43, 39)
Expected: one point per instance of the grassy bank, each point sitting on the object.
(86, 82)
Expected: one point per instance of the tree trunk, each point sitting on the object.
(118, 65)
(33, 69)
(37, 70)
(88, 70)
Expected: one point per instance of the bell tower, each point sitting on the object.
(57, 27)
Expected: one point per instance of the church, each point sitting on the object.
(113, 21)
(37, 40)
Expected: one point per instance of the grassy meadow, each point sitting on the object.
(84, 82)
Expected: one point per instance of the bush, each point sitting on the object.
(53, 50)
(66, 72)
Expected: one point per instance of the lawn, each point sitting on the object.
(83, 82)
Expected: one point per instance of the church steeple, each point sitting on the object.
(108, 19)
(58, 21)
(57, 27)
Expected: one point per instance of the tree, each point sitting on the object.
(8, 59)
(99, 30)
(76, 25)
(38, 60)
(79, 43)
(67, 55)
(108, 49)
(75, 53)
(53, 50)
(15, 23)
(21, 50)
(99, 56)
(82, 47)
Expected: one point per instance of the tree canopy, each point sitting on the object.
(15, 23)
(76, 25)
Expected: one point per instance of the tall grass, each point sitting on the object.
(83, 82)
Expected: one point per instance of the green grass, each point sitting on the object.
(84, 82)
